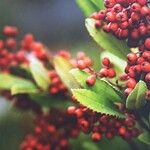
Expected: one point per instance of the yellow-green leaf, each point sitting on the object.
(101, 86)
(39, 73)
(96, 102)
(136, 98)
(62, 66)
(107, 41)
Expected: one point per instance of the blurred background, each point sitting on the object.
(57, 23)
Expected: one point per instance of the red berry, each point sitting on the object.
(96, 137)
(122, 131)
(131, 83)
(147, 43)
(91, 80)
(106, 62)
(111, 73)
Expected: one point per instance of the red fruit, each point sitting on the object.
(144, 10)
(147, 77)
(122, 131)
(131, 83)
(106, 62)
(128, 91)
(80, 55)
(88, 61)
(147, 43)
(145, 66)
(96, 137)
(51, 129)
(136, 7)
(81, 64)
(146, 55)
(98, 24)
(142, 2)
(121, 17)
(91, 80)
(95, 16)
(11, 43)
(111, 73)
(71, 110)
(132, 58)
(10, 31)
(103, 72)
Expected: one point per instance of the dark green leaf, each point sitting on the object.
(107, 41)
(20, 71)
(39, 73)
(101, 86)
(89, 6)
(136, 99)
(145, 137)
(63, 67)
(97, 102)
(47, 100)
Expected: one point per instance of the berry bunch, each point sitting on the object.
(138, 68)
(82, 61)
(56, 84)
(103, 125)
(52, 131)
(107, 71)
(126, 19)
(14, 52)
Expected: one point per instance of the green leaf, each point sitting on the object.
(7, 82)
(118, 63)
(136, 98)
(99, 3)
(107, 41)
(97, 102)
(49, 101)
(145, 137)
(39, 73)
(90, 6)
(24, 87)
(62, 66)
(101, 86)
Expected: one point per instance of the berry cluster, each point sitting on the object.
(138, 68)
(103, 125)
(14, 52)
(126, 19)
(82, 61)
(56, 84)
(52, 132)
(107, 71)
